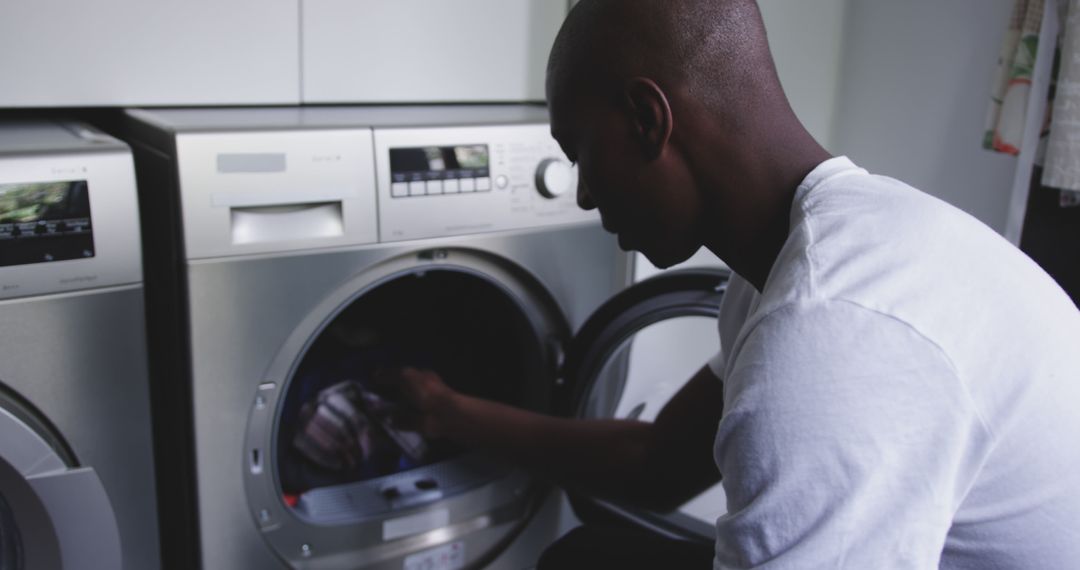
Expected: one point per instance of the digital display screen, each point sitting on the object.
(439, 162)
(45, 221)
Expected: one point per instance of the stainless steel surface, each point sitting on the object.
(22, 137)
(323, 167)
(73, 360)
(233, 356)
(107, 167)
(252, 308)
(80, 359)
(553, 518)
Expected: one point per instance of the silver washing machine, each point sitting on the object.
(76, 463)
(302, 250)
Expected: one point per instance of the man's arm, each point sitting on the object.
(659, 465)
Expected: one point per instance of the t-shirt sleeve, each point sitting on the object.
(847, 442)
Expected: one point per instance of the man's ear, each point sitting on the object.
(650, 114)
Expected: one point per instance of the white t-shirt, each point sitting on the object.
(904, 393)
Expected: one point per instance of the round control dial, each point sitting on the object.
(554, 177)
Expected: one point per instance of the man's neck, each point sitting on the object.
(751, 210)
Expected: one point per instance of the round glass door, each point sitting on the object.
(634, 355)
(333, 433)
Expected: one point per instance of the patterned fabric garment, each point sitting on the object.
(345, 425)
(1009, 93)
(334, 433)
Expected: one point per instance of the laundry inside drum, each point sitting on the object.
(339, 454)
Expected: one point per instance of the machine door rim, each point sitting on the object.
(49, 486)
(261, 486)
(678, 293)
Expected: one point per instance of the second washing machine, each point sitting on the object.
(76, 461)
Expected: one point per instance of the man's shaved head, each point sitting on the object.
(682, 133)
(715, 49)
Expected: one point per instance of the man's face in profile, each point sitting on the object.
(637, 197)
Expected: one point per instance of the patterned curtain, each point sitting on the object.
(1016, 65)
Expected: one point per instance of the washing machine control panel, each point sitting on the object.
(68, 214)
(445, 181)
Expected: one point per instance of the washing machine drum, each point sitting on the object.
(350, 482)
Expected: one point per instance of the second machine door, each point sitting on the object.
(54, 514)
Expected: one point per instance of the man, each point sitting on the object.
(896, 385)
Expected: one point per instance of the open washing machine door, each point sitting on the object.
(612, 371)
(53, 513)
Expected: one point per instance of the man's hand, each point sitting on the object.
(658, 465)
(426, 404)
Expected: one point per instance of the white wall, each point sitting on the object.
(913, 94)
(807, 41)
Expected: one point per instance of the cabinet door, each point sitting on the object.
(419, 50)
(133, 52)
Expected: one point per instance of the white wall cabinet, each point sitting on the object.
(366, 51)
(148, 52)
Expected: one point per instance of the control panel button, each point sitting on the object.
(501, 181)
(554, 177)
(468, 184)
(434, 186)
(452, 186)
(483, 184)
(417, 188)
(399, 189)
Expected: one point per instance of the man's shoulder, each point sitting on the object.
(883, 244)
(861, 210)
